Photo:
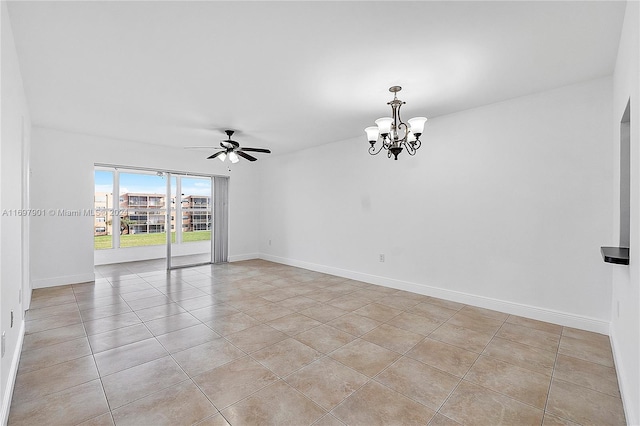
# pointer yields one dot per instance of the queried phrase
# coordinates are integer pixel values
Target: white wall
(505, 206)
(15, 140)
(62, 178)
(625, 320)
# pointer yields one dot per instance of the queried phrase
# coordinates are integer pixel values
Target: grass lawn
(137, 240)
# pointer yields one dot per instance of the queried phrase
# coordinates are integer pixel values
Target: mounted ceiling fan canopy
(232, 150)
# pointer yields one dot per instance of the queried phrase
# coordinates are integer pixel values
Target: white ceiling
(289, 75)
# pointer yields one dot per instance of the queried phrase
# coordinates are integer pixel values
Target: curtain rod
(149, 169)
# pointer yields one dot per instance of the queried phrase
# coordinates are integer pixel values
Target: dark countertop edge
(617, 255)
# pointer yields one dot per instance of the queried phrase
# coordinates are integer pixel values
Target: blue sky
(133, 182)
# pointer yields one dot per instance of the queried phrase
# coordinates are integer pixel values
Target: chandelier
(395, 134)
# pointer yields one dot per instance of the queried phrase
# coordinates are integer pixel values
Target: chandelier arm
(410, 149)
(372, 149)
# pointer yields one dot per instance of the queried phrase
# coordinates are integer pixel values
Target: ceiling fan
(233, 150)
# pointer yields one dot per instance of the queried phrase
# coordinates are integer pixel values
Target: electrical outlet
(382, 258)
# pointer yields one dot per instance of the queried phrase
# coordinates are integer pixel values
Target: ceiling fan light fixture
(222, 157)
(395, 134)
(233, 157)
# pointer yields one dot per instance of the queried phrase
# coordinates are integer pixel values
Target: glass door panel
(142, 207)
(192, 218)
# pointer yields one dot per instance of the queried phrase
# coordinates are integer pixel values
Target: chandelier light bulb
(384, 125)
(372, 133)
(417, 125)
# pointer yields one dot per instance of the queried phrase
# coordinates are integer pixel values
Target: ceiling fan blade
(215, 155)
(266, 151)
(199, 147)
(246, 156)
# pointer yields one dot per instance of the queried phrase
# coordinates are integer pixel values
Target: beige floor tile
(127, 356)
(448, 358)
(474, 405)
(478, 323)
(118, 337)
(214, 312)
(415, 323)
(583, 405)
(44, 302)
(255, 338)
(525, 356)
(188, 310)
(45, 381)
(180, 404)
(420, 382)
(205, 357)
(173, 323)
(440, 420)
(462, 337)
(364, 357)
(111, 323)
(518, 383)
(67, 308)
(102, 420)
(215, 420)
(198, 302)
(349, 302)
(234, 381)
(52, 337)
(137, 382)
(587, 350)
(550, 420)
(588, 374)
(326, 382)
(402, 302)
(70, 406)
(293, 324)
(277, 404)
(375, 404)
(298, 303)
(52, 355)
(378, 312)
(148, 302)
(286, 356)
(232, 323)
(55, 321)
(529, 336)
(538, 325)
(323, 312)
(328, 420)
(185, 338)
(119, 307)
(449, 304)
(434, 312)
(268, 312)
(156, 312)
(325, 338)
(354, 324)
(393, 338)
(475, 311)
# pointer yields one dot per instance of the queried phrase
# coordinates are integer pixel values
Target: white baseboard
(241, 257)
(633, 418)
(527, 311)
(64, 280)
(11, 380)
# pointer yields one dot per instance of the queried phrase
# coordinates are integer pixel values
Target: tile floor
(261, 343)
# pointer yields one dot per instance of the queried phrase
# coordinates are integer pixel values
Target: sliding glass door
(144, 214)
(191, 219)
